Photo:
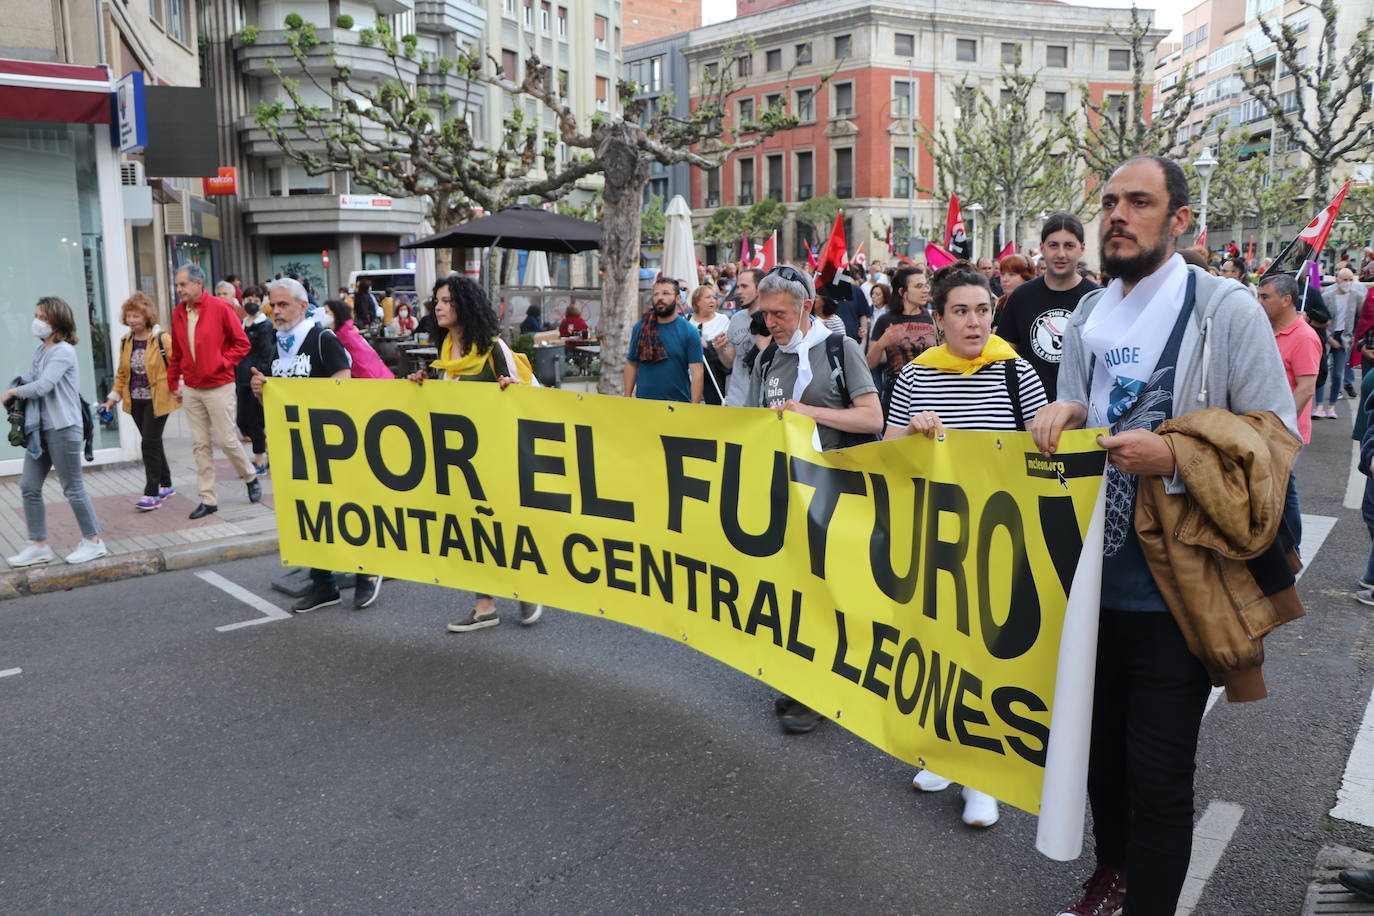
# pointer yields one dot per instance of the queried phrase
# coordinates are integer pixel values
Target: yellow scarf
(995, 350)
(470, 364)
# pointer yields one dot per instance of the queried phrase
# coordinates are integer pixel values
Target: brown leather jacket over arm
(1235, 468)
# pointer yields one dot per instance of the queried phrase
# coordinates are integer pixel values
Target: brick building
(889, 61)
(648, 19)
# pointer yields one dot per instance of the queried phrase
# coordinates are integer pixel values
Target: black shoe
(1350, 391)
(319, 596)
(783, 705)
(1359, 880)
(800, 719)
(365, 592)
(203, 510)
(254, 491)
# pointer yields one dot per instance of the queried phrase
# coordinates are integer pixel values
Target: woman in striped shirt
(973, 380)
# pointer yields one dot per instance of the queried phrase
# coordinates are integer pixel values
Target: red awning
(66, 93)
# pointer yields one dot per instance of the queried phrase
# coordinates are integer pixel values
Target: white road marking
(11, 672)
(270, 611)
(1354, 483)
(1210, 838)
(1315, 529)
(1355, 798)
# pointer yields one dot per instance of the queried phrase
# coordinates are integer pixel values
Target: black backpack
(834, 355)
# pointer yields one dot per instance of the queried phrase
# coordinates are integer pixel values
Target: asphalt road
(362, 762)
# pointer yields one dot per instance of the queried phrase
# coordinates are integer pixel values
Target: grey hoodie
(1227, 359)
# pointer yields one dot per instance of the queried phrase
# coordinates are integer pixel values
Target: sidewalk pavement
(141, 543)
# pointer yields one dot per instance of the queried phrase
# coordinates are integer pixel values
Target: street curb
(42, 580)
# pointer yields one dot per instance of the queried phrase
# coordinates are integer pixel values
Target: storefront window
(50, 231)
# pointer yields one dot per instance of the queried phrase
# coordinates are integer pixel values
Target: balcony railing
(844, 191)
(775, 194)
(713, 201)
(746, 197)
(804, 192)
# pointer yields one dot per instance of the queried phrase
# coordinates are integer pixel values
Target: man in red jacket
(207, 343)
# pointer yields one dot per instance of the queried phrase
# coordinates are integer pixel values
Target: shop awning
(66, 93)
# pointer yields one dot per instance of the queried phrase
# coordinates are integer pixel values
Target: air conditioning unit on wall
(131, 174)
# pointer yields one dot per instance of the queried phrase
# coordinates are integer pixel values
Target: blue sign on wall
(130, 116)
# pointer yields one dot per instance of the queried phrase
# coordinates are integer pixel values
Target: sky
(1168, 13)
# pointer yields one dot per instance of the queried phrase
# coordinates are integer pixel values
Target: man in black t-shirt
(306, 350)
(1037, 311)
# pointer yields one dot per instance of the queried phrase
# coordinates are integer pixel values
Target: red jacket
(220, 344)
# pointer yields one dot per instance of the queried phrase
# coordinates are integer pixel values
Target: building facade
(1221, 38)
(284, 220)
(81, 220)
(649, 19)
(656, 68)
(887, 64)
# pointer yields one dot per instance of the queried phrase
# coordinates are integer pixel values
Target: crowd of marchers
(1173, 352)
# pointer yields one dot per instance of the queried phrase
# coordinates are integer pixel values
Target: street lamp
(1002, 225)
(1204, 165)
(976, 210)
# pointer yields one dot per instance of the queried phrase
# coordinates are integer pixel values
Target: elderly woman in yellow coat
(141, 388)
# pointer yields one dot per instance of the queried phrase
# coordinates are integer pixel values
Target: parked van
(384, 282)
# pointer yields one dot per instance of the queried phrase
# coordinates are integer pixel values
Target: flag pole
(1306, 284)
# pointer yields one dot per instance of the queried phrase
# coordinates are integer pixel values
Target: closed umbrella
(679, 249)
(537, 270)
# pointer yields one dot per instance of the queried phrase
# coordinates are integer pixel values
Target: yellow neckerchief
(995, 350)
(470, 364)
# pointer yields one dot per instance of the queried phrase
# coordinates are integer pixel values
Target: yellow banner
(912, 591)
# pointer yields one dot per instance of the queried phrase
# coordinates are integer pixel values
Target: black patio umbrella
(521, 226)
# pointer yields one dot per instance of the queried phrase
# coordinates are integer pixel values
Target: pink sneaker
(148, 504)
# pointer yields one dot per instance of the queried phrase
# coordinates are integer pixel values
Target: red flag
(835, 256)
(956, 238)
(1310, 242)
(810, 255)
(937, 257)
(1202, 238)
(766, 258)
(745, 252)
(860, 259)
(1006, 252)
(889, 239)
(1250, 253)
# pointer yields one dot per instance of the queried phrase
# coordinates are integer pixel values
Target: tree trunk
(626, 174)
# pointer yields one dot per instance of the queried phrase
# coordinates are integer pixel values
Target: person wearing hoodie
(337, 316)
(262, 342)
(140, 388)
(1162, 341)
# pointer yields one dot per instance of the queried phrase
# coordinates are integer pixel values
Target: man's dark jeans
(1147, 707)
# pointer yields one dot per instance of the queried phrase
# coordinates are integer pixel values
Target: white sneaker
(980, 808)
(87, 551)
(926, 781)
(31, 555)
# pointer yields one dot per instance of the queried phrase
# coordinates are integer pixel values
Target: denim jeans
(61, 450)
(1292, 512)
(1339, 375)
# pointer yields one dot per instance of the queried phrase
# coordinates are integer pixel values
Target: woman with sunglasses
(973, 380)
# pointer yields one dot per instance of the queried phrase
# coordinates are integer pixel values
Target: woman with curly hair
(465, 332)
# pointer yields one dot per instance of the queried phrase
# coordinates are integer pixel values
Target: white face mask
(326, 319)
(41, 329)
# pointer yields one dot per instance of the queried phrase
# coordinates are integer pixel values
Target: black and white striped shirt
(979, 400)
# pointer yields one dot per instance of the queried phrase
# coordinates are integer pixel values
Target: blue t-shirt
(668, 379)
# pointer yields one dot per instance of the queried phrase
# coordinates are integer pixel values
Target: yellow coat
(154, 365)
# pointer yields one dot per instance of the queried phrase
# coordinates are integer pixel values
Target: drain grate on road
(1332, 899)
(1325, 895)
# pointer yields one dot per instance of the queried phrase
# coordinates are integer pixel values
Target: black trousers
(1147, 707)
(250, 419)
(156, 473)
